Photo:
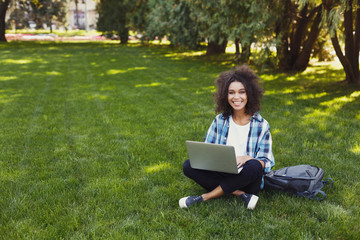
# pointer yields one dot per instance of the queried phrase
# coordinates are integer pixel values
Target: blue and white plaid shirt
(259, 143)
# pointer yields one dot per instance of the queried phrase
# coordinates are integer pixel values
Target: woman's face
(237, 97)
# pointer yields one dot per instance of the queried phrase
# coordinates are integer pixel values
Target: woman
(240, 125)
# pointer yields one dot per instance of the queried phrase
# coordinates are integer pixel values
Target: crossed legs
(217, 184)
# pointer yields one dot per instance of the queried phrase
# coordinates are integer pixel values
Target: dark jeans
(248, 180)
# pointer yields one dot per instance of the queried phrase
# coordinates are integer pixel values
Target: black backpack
(301, 180)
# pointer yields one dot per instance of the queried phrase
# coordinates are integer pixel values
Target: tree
(250, 22)
(41, 10)
(183, 30)
(139, 15)
(77, 13)
(172, 19)
(4, 4)
(115, 16)
(112, 18)
(157, 19)
(48, 11)
(243, 22)
(297, 30)
(351, 32)
(212, 23)
(17, 18)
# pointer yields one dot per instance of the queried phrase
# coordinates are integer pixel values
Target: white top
(237, 137)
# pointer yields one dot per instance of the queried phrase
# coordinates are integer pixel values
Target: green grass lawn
(93, 139)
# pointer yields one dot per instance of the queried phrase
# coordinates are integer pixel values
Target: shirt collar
(257, 117)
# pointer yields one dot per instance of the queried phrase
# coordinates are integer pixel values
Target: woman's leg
(217, 192)
(248, 180)
(207, 179)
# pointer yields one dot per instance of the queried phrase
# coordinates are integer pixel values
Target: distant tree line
(285, 33)
(297, 29)
(37, 12)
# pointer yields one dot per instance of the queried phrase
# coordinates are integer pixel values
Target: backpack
(301, 180)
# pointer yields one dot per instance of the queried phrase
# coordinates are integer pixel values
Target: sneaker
(250, 200)
(187, 201)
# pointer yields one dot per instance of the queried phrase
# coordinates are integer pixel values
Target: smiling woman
(239, 125)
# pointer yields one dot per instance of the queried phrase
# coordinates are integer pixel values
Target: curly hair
(249, 79)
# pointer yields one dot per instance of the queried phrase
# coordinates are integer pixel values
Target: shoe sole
(182, 202)
(252, 203)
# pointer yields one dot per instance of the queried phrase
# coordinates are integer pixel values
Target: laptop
(212, 157)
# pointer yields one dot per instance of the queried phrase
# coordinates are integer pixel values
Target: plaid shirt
(259, 144)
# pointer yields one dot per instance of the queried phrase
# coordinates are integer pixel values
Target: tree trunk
(3, 8)
(357, 44)
(350, 44)
(282, 32)
(303, 58)
(349, 60)
(298, 35)
(77, 14)
(214, 48)
(245, 52)
(237, 47)
(297, 43)
(50, 23)
(124, 36)
(350, 77)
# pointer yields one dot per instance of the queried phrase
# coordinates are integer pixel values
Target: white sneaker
(250, 200)
(185, 202)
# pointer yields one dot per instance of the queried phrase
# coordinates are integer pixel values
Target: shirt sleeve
(211, 134)
(264, 151)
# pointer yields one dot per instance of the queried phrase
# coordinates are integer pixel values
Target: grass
(92, 145)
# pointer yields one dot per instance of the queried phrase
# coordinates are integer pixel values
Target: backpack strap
(323, 194)
(312, 195)
(329, 180)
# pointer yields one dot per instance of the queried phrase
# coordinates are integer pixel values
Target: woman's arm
(264, 151)
(211, 133)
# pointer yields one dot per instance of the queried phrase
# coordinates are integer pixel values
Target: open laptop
(213, 157)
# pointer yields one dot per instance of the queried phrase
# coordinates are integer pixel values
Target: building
(87, 15)
(85, 19)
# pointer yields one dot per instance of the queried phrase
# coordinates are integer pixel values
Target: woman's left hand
(241, 160)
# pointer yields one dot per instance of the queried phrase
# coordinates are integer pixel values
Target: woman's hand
(241, 160)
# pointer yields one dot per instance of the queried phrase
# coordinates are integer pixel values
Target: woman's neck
(241, 118)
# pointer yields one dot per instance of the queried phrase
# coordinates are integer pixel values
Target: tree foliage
(18, 17)
(117, 16)
(47, 11)
(291, 27)
(172, 19)
(41, 11)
